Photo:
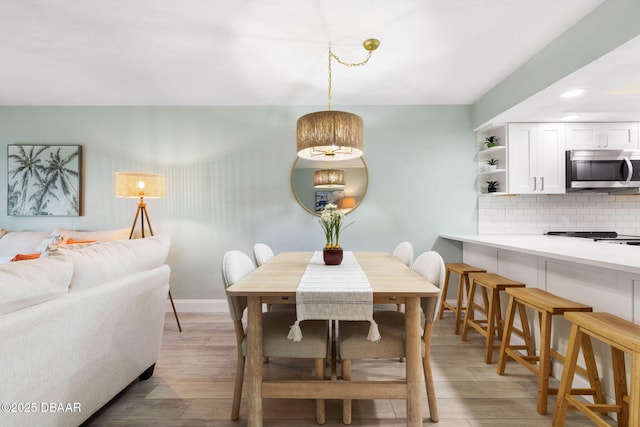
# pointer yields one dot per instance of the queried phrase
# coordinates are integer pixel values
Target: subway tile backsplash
(537, 214)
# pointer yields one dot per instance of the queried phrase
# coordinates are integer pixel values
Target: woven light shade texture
(140, 184)
(325, 132)
(328, 178)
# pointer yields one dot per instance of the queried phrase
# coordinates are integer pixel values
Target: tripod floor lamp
(141, 185)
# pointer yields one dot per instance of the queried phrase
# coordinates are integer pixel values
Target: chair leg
(469, 312)
(544, 363)
(526, 331)
(237, 389)
(332, 346)
(320, 407)
(346, 403)
(568, 372)
(428, 374)
(620, 384)
(634, 392)
(492, 318)
(463, 281)
(445, 289)
(592, 369)
(506, 336)
(498, 316)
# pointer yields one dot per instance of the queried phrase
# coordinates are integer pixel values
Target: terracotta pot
(332, 256)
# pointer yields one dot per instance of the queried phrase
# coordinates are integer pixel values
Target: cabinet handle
(542, 183)
(630, 167)
(602, 140)
(534, 183)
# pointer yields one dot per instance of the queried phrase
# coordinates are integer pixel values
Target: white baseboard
(198, 306)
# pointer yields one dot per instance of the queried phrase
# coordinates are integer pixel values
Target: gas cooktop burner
(585, 234)
(599, 236)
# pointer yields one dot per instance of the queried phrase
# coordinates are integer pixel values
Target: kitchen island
(608, 255)
(605, 276)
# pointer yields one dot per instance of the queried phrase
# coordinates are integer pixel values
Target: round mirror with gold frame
(315, 183)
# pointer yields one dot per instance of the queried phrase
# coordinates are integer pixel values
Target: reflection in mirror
(331, 190)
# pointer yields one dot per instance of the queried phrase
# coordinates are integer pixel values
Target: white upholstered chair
(353, 343)
(275, 325)
(262, 253)
(404, 252)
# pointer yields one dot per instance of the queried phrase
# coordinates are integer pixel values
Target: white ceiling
(274, 52)
(612, 92)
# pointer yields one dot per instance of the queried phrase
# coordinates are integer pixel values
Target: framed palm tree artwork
(43, 180)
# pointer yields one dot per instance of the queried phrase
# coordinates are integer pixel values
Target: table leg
(254, 356)
(413, 365)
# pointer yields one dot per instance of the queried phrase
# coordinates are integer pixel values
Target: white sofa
(77, 326)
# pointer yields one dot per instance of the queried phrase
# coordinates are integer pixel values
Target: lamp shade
(330, 136)
(348, 203)
(139, 184)
(328, 178)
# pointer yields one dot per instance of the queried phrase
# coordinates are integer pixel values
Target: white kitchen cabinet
(585, 136)
(536, 158)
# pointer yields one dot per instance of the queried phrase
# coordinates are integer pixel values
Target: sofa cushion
(31, 282)
(100, 236)
(15, 242)
(97, 263)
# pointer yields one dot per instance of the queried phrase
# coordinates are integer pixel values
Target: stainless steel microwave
(603, 170)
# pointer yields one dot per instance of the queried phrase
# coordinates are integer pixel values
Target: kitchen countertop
(573, 249)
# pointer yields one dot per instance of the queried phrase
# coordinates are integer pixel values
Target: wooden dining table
(276, 281)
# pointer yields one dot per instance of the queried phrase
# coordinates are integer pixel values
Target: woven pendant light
(333, 135)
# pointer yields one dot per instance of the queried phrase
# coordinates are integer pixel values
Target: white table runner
(334, 292)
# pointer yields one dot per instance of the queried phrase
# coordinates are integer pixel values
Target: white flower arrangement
(331, 223)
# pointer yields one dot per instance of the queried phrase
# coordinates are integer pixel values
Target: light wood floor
(193, 382)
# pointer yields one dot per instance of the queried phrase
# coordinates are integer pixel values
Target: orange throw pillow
(71, 241)
(22, 257)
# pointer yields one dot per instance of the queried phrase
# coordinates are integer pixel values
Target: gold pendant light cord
(369, 47)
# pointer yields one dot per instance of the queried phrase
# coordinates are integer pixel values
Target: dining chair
(262, 253)
(404, 252)
(275, 326)
(352, 336)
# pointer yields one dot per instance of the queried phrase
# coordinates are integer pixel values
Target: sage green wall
(228, 169)
(609, 26)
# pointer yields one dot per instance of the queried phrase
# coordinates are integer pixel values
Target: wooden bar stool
(623, 337)
(462, 270)
(491, 326)
(547, 305)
